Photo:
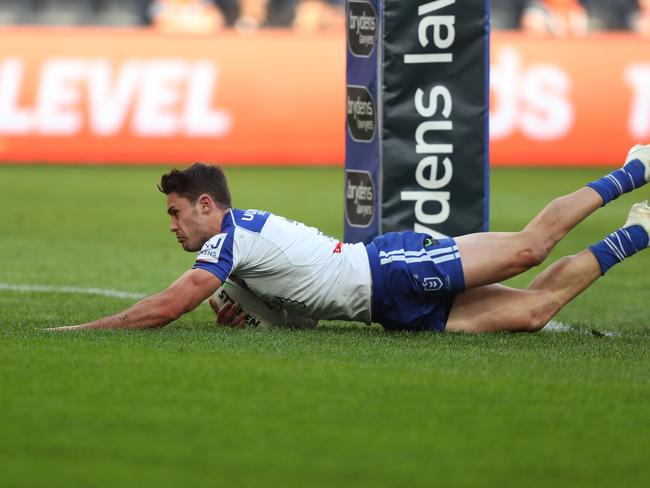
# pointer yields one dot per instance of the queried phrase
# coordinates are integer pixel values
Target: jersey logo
(338, 248)
(212, 248)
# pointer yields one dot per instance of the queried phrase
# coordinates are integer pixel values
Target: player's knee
(533, 251)
(531, 257)
(541, 313)
(536, 323)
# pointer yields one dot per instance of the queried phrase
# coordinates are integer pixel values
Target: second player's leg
(495, 308)
(492, 257)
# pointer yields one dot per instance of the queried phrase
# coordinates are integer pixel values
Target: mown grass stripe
(105, 292)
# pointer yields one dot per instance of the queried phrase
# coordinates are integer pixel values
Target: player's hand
(229, 315)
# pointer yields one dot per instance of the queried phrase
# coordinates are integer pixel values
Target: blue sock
(623, 180)
(621, 244)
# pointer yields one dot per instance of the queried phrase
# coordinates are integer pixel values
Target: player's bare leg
(496, 256)
(494, 308)
(493, 257)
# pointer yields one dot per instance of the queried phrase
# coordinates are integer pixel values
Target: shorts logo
(362, 28)
(428, 242)
(432, 284)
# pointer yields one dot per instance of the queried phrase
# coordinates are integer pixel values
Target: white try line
(104, 292)
(554, 326)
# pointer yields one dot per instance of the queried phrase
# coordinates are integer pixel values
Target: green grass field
(341, 405)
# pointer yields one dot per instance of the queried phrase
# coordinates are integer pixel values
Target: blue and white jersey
(291, 265)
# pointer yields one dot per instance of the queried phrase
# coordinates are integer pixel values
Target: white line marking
(104, 292)
(555, 326)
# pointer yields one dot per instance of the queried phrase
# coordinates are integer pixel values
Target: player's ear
(206, 203)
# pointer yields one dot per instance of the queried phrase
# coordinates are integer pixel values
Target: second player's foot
(641, 153)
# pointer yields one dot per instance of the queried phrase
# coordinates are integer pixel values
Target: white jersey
(290, 265)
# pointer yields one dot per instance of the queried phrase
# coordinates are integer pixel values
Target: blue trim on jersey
(212, 268)
(252, 220)
(227, 222)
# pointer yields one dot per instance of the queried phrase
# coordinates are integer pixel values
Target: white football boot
(639, 215)
(642, 153)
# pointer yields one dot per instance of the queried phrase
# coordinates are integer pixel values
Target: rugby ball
(258, 312)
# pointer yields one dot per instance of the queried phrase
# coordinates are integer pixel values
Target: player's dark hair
(196, 180)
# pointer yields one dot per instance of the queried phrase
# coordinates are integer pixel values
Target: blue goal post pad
(417, 115)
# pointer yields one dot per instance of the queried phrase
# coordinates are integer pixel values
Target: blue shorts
(414, 280)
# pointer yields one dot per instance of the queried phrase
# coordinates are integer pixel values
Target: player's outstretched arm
(182, 296)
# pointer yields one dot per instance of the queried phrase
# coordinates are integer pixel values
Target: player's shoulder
(255, 222)
(252, 220)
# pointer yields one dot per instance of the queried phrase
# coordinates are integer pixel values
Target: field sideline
(344, 404)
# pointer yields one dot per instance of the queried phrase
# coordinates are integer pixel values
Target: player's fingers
(230, 316)
(223, 313)
(214, 305)
(230, 313)
(241, 319)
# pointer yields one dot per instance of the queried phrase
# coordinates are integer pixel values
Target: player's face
(186, 222)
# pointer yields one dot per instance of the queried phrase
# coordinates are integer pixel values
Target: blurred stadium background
(259, 85)
(164, 81)
(594, 15)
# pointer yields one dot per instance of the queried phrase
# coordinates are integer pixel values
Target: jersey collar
(227, 222)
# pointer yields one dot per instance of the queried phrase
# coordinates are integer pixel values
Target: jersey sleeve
(217, 256)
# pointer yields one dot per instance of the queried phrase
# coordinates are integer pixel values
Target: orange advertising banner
(135, 96)
(275, 97)
(577, 101)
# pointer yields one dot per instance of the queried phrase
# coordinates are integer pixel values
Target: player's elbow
(168, 316)
(168, 311)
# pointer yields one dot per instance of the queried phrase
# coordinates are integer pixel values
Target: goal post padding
(417, 154)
